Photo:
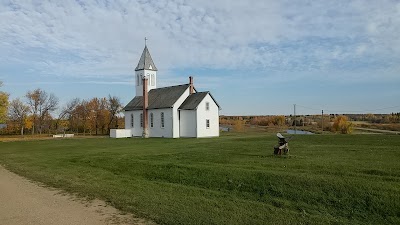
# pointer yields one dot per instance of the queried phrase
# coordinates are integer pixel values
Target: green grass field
(234, 179)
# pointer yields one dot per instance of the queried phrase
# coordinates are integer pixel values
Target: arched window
(153, 82)
(137, 80)
(151, 120)
(132, 120)
(141, 119)
(162, 120)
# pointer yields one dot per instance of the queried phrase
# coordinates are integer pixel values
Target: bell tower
(145, 68)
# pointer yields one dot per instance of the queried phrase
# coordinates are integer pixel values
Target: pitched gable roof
(158, 98)
(194, 100)
(145, 61)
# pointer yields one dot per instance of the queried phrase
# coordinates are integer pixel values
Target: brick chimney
(145, 106)
(191, 87)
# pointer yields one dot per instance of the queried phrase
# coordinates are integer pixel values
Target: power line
(349, 111)
(308, 107)
(392, 107)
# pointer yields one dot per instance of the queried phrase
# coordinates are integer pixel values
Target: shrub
(341, 124)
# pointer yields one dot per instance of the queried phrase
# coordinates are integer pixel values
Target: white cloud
(69, 38)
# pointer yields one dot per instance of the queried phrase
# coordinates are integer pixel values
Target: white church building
(171, 112)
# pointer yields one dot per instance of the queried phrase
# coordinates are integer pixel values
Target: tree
(3, 105)
(370, 117)
(29, 122)
(41, 105)
(97, 114)
(238, 125)
(67, 112)
(280, 120)
(80, 116)
(114, 106)
(341, 124)
(18, 112)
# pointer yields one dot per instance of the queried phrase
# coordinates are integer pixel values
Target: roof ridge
(170, 86)
(200, 92)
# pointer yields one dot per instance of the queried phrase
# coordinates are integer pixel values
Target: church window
(141, 119)
(207, 106)
(137, 80)
(141, 80)
(151, 120)
(132, 120)
(207, 123)
(149, 80)
(153, 82)
(162, 120)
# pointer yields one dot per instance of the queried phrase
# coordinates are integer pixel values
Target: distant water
(298, 132)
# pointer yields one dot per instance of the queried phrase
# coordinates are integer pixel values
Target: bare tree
(41, 105)
(67, 110)
(114, 106)
(18, 112)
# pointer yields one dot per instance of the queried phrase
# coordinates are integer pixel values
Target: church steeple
(145, 67)
(146, 62)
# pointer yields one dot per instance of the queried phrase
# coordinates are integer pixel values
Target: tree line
(39, 112)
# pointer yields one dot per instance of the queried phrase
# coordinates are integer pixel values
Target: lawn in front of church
(233, 179)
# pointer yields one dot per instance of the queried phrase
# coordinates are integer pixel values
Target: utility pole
(295, 122)
(322, 120)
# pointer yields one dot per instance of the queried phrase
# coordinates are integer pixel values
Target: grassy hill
(234, 179)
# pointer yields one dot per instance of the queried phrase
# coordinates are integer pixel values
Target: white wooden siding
(157, 130)
(212, 114)
(188, 125)
(175, 107)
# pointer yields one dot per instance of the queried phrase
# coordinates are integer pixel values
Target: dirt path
(24, 202)
(377, 130)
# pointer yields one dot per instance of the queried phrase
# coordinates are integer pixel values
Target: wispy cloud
(223, 43)
(92, 38)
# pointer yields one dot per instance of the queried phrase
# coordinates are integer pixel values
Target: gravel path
(377, 130)
(24, 202)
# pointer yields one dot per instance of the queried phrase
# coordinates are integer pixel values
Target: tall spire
(146, 62)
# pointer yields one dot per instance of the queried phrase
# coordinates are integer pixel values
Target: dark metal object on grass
(282, 145)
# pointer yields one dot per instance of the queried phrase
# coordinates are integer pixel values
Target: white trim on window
(207, 106)
(132, 120)
(141, 119)
(208, 123)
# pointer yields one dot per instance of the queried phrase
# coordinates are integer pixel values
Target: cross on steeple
(145, 41)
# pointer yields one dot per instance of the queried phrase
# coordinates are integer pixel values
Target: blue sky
(256, 57)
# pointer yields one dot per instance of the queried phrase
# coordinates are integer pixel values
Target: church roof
(145, 61)
(194, 100)
(158, 98)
